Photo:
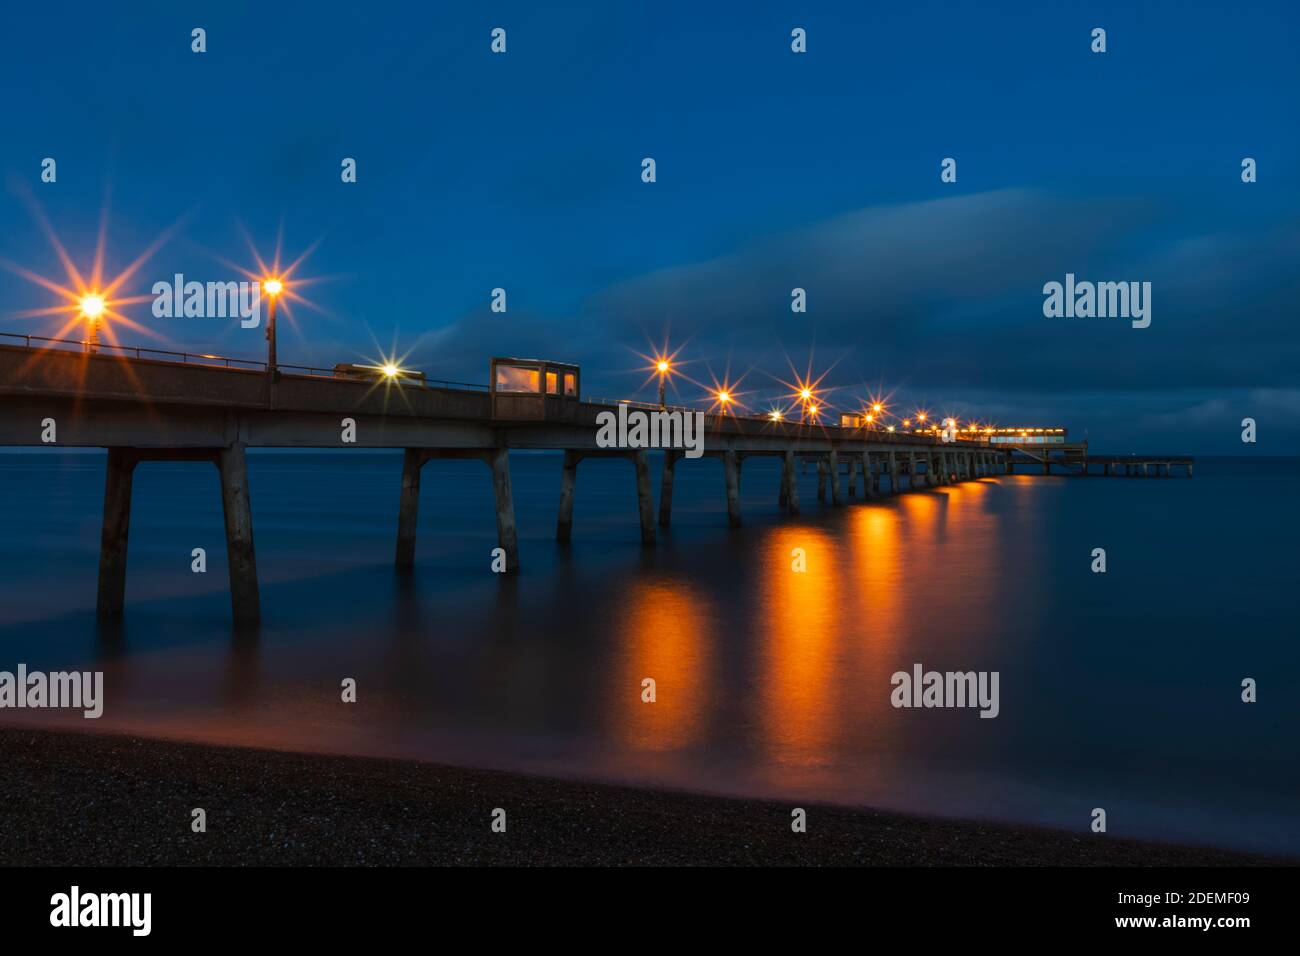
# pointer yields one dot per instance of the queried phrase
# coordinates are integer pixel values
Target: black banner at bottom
(332, 905)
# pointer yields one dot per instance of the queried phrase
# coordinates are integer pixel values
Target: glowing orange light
(724, 397)
(812, 410)
(877, 408)
(775, 415)
(272, 287)
(920, 416)
(805, 394)
(92, 306)
(663, 367)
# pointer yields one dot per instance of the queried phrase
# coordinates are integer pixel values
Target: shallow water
(1118, 690)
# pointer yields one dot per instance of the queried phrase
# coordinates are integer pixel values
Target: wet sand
(98, 799)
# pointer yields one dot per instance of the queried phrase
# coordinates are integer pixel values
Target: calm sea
(1118, 690)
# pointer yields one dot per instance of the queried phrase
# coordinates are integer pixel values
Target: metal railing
(214, 361)
(254, 365)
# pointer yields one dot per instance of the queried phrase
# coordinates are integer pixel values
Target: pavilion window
(511, 378)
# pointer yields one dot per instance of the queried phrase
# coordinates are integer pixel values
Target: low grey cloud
(943, 299)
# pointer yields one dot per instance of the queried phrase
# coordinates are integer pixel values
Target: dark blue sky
(775, 170)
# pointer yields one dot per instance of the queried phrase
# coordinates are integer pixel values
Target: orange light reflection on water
(801, 638)
(665, 637)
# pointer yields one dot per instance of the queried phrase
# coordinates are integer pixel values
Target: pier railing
(205, 358)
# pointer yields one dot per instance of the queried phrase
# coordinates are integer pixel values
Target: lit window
(511, 378)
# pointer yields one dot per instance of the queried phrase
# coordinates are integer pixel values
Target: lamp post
(663, 368)
(273, 288)
(92, 307)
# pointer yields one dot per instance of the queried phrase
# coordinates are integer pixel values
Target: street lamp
(663, 368)
(273, 288)
(92, 307)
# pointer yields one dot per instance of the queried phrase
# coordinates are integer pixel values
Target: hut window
(511, 378)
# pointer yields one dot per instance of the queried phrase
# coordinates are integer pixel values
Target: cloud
(944, 298)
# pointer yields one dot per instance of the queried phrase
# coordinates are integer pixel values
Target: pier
(174, 407)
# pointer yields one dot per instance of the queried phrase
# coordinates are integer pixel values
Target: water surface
(1118, 690)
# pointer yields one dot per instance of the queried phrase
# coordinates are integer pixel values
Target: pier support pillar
(731, 472)
(568, 479)
(645, 498)
(870, 481)
(242, 559)
(498, 460)
(821, 479)
(789, 484)
(112, 541)
(666, 487)
(893, 472)
(853, 478)
(837, 487)
(408, 509)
